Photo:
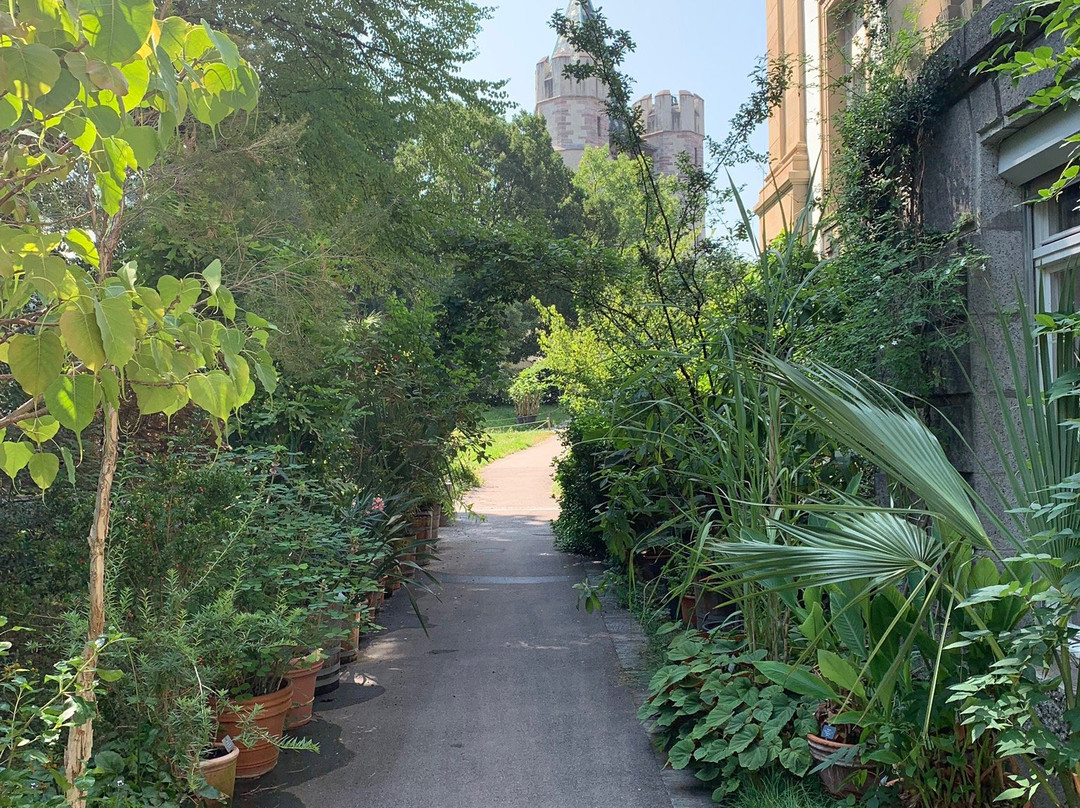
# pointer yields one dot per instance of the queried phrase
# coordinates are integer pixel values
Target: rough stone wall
(962, 179)
(573, 110)
(673, 126)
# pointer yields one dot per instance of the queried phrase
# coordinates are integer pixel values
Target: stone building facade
(984, 160)
(820, 39)
(577, 119)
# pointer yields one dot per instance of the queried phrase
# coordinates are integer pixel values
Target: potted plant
(245, 657)
(217, 767)
(526, 391)
(302, 673)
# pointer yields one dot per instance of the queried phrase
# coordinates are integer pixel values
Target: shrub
(717, 715)
(579, 495)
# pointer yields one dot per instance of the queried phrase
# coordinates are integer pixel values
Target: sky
(708, 47)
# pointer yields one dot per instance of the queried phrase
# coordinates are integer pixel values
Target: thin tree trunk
(80, 745)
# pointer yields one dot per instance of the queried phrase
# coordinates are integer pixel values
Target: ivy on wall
(893, 296)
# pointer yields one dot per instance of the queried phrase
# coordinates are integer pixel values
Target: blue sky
(705, 46)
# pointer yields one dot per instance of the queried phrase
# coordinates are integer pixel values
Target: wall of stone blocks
(962, 181)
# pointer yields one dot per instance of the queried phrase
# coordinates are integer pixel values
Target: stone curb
(684, 790)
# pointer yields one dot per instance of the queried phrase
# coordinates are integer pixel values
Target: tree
(483, 169)
(90, 93)
(616, 206)
(365, 77)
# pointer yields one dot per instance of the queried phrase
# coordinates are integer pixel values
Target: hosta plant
(716, 713)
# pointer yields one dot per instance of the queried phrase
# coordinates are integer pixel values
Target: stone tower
(673, 125)
(576, 117)
(574, 110)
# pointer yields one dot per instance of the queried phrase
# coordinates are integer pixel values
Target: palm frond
(872, 544)
(870, 419)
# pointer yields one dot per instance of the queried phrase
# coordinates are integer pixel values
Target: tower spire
(578, 12)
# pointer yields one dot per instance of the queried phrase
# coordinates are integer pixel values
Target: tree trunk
(80, 745)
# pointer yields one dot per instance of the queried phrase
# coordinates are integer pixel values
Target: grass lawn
(496, 418)
(506, 436)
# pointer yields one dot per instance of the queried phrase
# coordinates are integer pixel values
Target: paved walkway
(514, 699)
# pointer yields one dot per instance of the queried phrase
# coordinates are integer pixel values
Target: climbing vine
(892, 298)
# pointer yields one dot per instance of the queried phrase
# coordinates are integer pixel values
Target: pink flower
(378, 504)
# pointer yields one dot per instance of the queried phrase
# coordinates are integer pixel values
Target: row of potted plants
(275, 691)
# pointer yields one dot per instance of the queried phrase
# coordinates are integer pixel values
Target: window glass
(1063, 214)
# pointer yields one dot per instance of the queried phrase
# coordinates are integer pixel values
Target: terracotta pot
(303, 697)
(350, 646)
(840, 779)
(421, 525)
(220, 772)
(258, 759)
(688, 610)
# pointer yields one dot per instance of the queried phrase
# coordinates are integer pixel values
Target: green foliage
(576, 474)
(891, 302)
(780, 791)
(485, 170)
(35, 709)
(716, 714)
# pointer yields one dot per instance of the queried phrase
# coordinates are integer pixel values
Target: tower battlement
(577, 118)
(673, 125)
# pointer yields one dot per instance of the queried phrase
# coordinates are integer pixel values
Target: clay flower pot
(262, 756)
(840, 779)
(302, 675)
(220, 772)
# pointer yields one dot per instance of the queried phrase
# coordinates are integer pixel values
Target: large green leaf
(35, 361)
(118, 334)
(14, 457)
(63, 92)
(80, 330)
(840, 672)
(73, 401)
(213, 392)
(798, 680)
(28, 71)
(116, 29)
(40, 429)
(43, 468)
(228, 51)
(11, 109)
(163, 398)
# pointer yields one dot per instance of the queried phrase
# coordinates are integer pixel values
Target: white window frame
(1052, 253)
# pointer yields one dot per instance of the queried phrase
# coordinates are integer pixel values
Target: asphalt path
(512, 699)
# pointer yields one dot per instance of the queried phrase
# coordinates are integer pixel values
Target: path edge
(683, 789)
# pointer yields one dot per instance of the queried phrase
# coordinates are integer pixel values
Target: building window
(1056, 248)
(676, 119)
(599, 125)
(650, 122)
(549, 87)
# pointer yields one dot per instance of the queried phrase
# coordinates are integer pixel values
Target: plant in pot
(244, 659)
(527, 390)
(923, 589)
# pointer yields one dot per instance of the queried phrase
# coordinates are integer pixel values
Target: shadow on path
(514, 699)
